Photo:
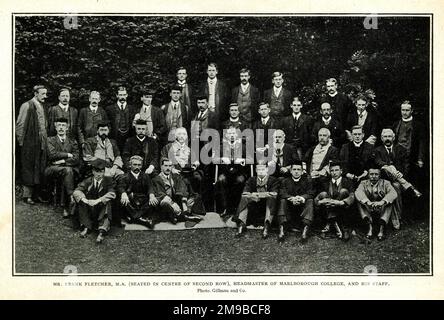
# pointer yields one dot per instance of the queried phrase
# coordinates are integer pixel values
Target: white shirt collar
(212, 80)
(277, 90)
(202, 113)
(408, 119)
(135, 175)
(364, 113)
(65, 108)
(297, 116)
(245, 86)
(358, 144)
(326, 120)
(60, 138)
(93, 108)
(338, 181)
(265, 119)
(121, 105)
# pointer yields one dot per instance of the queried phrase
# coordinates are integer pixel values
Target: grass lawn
(46, 243)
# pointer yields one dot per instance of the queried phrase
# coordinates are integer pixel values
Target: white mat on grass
(211, 220)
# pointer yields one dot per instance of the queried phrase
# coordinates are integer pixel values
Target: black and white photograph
(222, 144)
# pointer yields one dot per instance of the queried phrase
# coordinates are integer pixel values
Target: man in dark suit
(204, 119)
(89, 117)
(364, 118)
(296, 193)
(143, 146)
(121, 117)
(31, 132)
(334, 201)
(154, 117)
(171, 193)
(216, 92)
(317, 158)
(246, 96)
(278, 97)
(235, 120)
(63, 157)
(264, 126)
(259, 196)
(232, 171)
(176, 113)
(355, 156)
(93, 196)
(187, 96)
(63, 110)
(137, 195)
(331, 123)
(297, 128)
(340, 103)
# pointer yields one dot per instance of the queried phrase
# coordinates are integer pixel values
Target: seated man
(296, 194)
(63, 157)
(259, 195)
(231, 172)
(336, 197)
(143, 146)
(93, 196)
(101, 147)
(375, 198)
(171, 193)
(318, 157)
(136, 194)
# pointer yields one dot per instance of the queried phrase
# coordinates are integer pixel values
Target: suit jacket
(290, 188)
(59, 151)
(208, 121)
(185, 114)
(418, 140)
(371, 125)
(187, 97)
(158, 119)
(384, 190)
(299, 136)
(399, 158)
(56, 112)
(272, 123)
(255, 97)
(127, 184)
(221, 98)
(90, 146)
(365, 157)
(148, 149)
(106, 190)
(332, 154)
(272, 184)
(87, 124)
(340, 104)
(179, 187)
(286, 100)
(114, 117)
(327, 186)
(337, 133)
(289, 156)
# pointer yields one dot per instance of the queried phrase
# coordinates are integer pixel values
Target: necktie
(62, 140)
(200, 116)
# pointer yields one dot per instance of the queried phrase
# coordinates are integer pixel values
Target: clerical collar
(65, 108)
(332, 95)
(141, 140)
(234, 119)
(182, 82)
(358, 144)
(136, 175)
(326, 120)
(296, 180)
(408, 119)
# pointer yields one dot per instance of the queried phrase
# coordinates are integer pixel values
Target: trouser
(340, 214)
(228, 193)
(248, 206)
(121, 139)
(65, 172)
(28, 191)
(98, 216)
(138, 207)
(287, 211)
(166, 209)
(384, 213)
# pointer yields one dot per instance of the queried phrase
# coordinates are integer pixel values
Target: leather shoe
(100, 238)
(65, 214)
(84, 233)
(304, 237)
(281, 236)
(369, 234)
(29, 201)
(240, 230)
(266, 231)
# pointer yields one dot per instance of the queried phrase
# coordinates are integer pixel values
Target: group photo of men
(281, 165)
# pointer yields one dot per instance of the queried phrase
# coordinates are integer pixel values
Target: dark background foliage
(104, 52)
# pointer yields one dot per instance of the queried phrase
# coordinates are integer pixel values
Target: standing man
(278, 97)
(187, 96)
(259, 197)
(246, 96)
(31, 128)
(176, 113)
(216, 92)
(89, 117)
(235, 120)
(205, 118)
(263, 126)
(93, 196)
(297, 128)
(143, 146)
(375, 198)
(63, 157)
(296, 195)
(137, 195)
(121, 117)
(63, 110)
(331, 123)
(361, 117)
(339, 102)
